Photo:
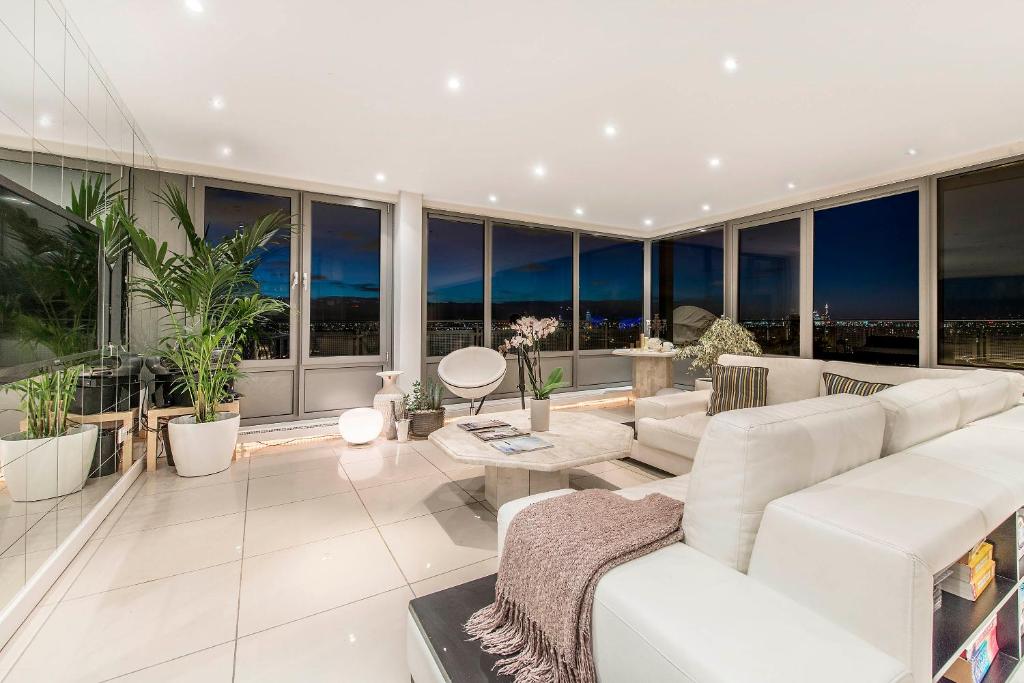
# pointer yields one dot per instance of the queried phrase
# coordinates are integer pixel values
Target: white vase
(202, 448)
(540, 414)
(383, 398)
(402, 428)
(37, 469)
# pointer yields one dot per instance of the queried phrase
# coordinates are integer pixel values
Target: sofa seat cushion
(667, 616)
(679, 435)
(674, 404)
(748, 458)
(982, 393)
(734, 387)
(789, 379)
(673, 487)
(917, 411)
(1012, 419)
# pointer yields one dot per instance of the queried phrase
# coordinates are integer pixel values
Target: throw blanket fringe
(556, 551)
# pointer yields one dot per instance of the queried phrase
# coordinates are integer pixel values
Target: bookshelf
(957, 623)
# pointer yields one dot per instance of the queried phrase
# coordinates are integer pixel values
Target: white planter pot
(202, 448)
(540, 414)
(37, 469)
(402, 428)
(383, 398)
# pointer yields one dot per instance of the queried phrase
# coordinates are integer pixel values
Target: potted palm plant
(724, 336)
(50, 457)
(211, 301)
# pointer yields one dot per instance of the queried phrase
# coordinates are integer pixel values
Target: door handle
(295, 279)
(305, 282)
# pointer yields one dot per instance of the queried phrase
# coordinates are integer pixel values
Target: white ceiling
(327, 91)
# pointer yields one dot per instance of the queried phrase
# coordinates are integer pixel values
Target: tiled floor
(296, 564)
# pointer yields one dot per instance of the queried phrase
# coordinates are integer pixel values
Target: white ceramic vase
(202, 448)
(383, 398)
(402, 427)
(540, 414)
(37, 469)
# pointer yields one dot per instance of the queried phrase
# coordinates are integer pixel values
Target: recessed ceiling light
(225, 151)
(703, 230)
(454, 83)
(705, 207)
(45, 121)
(912, 152)
(610, 130)
(791, 185)
(194, 6)
(648, 222)
(217, 102)
(714, 162)
(578, 211)
(492, 198)
(380, 177)
(730, 65)
(540, 171)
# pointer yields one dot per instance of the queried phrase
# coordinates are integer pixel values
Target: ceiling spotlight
(194, 6)
(540, 171)
(705, 207)
(648, 222)
(380, 177)
(492, 198)
(703, 230)
(791, 185)
(225, 151)
(714, 162)
(610, 130)
(912, 152)
(45, 121)
(578, 211)
(217, 102)
(454, 84)
(730, 65)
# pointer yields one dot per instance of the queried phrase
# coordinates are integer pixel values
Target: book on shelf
(476, 425)
(971, 566)
(971, 590)
(521, 444)
(975, 661)
(495, 433)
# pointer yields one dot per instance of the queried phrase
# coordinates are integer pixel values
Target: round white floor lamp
(360, 425)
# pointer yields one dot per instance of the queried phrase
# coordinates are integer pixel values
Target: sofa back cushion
(885, 374)
(982, 393)
(917, 411)
(789, 379)
(1016, 389)
(748, 458)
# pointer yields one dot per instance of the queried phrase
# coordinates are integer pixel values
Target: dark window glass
(769, 285)
(686, 285)
(866, 297)
(455, 285)
(611, 292)
(981, 268)
(227, 210)
(532, 275)
(344, 274)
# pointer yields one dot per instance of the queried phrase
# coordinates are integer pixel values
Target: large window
(611, 292)
(686, 285)
(455, 284)
(531, 275)
(981, 268)
(866, 281)
(225, 211)
(344, 280)
(768, 294)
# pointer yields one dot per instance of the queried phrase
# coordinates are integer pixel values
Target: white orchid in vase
(525, 343)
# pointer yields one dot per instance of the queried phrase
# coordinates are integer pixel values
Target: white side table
(652, 370)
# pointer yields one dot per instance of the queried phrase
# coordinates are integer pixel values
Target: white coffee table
(577, 439)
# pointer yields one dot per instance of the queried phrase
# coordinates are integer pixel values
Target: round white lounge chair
(472, 373)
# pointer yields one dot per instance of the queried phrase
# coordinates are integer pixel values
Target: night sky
(696, 270)
(345, 252)
(531, 265)
(611, 270)
(455, 263)
(769, 271)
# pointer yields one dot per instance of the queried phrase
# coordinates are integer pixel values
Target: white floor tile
(390, 503)
(288, 488)
(284, 526)
(166, 479)
(433, 544)
(163, 509)
(437, 457)
(120, 631)
(381, 448)
(268, 464)
(214, 665)
(456, 577)
(470, 479)
(128, 559)
(618, 478)
(406, 465)
(594, 468)
(290, 584)
(364, 641)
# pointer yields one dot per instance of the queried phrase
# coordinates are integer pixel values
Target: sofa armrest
(673, 405)
(510, 509)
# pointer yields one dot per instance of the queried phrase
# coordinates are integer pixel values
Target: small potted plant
(724, 336)
(426, 413)
(400, 415)
(51, 457)
(525, 343)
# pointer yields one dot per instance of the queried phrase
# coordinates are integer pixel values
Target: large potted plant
(211, 301)
(724, 336)
(525, 343)
(50, 457)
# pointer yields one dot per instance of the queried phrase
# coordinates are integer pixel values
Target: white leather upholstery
(750, 457)
(679, 435)
(887, 374)
(789, 379)
(982, 393)
(675, 404)
(1010, 419)
(1016, 389)
(917, 411)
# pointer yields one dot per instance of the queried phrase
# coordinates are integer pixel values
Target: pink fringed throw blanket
(556, 551)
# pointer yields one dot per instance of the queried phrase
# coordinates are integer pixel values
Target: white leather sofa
(669, 426)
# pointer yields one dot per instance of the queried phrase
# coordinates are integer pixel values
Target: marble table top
(643, 353)
(576, 438)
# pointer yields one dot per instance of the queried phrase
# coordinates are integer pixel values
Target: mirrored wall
(70, 387)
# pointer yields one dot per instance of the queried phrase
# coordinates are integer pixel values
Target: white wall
(408, 304)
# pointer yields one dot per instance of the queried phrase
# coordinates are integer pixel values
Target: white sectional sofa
(670, 425)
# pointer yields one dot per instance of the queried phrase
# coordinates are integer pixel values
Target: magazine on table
(476, 425)
(506, 432)
(521, 444)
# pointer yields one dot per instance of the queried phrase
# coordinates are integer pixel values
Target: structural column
(409, 288)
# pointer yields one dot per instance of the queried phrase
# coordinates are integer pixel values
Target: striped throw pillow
(737, 386)
(837, 384)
